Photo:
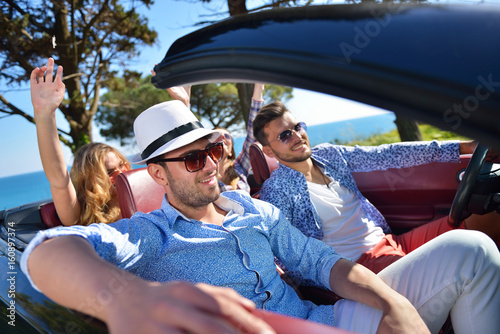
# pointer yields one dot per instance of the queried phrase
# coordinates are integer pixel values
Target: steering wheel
(465, 188)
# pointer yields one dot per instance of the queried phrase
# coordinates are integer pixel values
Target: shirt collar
(229, 204)
(224, 202)
(314, 158)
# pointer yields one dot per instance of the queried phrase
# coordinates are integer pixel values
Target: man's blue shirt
(164, 245)
(287, 188)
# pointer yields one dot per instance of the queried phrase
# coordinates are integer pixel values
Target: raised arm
(181, 93)
(68, 270)
(353, 281)
(47, 93)
(242, 162)
(258, 91)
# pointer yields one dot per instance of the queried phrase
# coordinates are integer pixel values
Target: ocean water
(24, 188)
(20, 189)
(346, 130)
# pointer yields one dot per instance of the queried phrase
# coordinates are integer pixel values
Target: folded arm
(355, 282)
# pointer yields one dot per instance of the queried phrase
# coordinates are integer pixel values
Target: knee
(471, 243)
(466, 238)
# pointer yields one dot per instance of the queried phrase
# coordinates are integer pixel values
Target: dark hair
(155, 160)
(267, 114)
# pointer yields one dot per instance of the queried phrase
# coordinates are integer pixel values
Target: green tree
(221, 105)
(86, 37)
(125, 99)
(218, 104)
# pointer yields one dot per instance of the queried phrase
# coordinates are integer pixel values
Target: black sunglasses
(196, 161)
(286, 135)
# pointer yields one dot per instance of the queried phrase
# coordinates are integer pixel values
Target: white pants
(457, 273)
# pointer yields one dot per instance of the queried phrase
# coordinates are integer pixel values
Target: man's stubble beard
(189, 195)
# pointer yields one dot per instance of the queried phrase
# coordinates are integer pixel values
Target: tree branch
(274, 4)
(92, 21)
(16, 111)
(30, 17)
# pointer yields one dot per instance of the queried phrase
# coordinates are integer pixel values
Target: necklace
(326, 180)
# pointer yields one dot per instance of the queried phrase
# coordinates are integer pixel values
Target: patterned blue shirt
(164, 245)
(287, 188)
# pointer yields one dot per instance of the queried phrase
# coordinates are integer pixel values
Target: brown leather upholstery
(262, 165)
(138, 192)
(49, 215)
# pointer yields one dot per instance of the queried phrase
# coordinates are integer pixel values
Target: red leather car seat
(49, 215)
(137, 191)
(262, 165)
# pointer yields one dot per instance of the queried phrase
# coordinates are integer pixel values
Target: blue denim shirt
(287, 188)
(164, 245)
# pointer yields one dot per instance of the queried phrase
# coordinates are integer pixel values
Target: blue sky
(19, 150)
(171, 19)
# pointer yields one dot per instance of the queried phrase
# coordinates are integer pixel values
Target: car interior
(406, 197)
(426, 87)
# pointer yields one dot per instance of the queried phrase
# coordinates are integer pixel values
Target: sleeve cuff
(326, 271)
(450, 151)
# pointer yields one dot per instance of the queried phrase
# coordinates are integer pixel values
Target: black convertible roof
(438, 64)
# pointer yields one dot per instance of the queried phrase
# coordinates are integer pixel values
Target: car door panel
(410, 197)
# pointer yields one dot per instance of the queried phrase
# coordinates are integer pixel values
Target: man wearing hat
(231, 240)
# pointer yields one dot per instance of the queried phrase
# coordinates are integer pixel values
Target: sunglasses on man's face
(197, 160)
(287, 135)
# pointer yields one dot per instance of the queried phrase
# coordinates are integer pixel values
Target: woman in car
(233, 171)
(86, 195)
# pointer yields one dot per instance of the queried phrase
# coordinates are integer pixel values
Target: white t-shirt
(345, 226)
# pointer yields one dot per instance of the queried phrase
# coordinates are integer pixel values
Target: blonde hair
(93, 185)
(231, 177)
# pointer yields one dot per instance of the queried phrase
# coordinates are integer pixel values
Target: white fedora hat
(165, 127)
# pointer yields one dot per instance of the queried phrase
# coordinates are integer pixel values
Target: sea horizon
(19, 189)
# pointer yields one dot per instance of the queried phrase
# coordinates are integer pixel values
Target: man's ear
(158, 173)
(268, 151)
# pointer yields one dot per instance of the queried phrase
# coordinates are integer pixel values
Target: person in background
(316, 191)
(87, 194)
(233, 171)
